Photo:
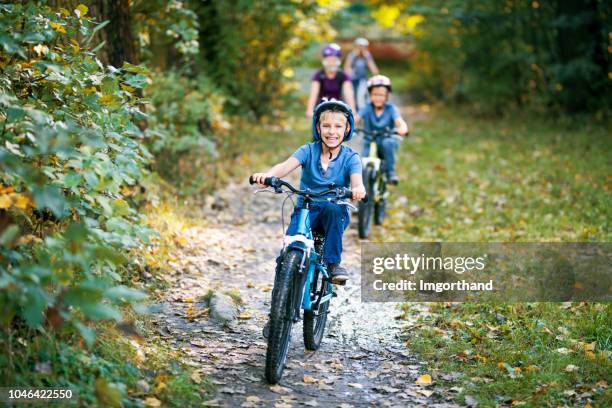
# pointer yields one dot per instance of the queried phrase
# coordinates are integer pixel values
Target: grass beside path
(516, 179)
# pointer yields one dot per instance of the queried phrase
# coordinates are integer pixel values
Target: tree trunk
(120, 45)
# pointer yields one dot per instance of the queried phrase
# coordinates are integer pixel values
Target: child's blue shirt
(372, 122)
(339, 169)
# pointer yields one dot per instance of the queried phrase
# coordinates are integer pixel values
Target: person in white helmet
(382, 115)
(357, 64)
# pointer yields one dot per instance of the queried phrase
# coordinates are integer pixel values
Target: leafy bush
(184, 112)
(70, 154)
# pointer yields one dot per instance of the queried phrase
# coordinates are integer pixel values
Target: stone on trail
(222, 308)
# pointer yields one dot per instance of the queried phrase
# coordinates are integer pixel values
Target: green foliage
(551, 55)
(166, 31)
(249, 47)
(184, 113)
(70, 153)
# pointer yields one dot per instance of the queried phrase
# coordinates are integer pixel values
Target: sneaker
(266, 330)
(392, 178)
(338, 274)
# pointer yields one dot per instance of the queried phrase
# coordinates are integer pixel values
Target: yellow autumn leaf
(81, 10)
(5, 201)
(127, 88)
(424, 379)
(309, 379)
(152, 402)
(386, 15)
(108, 99)
(590, 355)
(244, 316)
(589, 346)
(58, 27)
(20, 201)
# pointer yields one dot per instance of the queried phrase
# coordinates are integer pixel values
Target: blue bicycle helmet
(338, 106)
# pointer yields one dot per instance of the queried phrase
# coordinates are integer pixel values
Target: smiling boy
(325, 161)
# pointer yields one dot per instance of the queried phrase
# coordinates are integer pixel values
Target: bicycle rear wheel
(364, 221)
(281, 317)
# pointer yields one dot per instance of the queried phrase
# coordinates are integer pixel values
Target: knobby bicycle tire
(281, 317)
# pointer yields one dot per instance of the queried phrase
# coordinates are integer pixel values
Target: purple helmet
(332, 50)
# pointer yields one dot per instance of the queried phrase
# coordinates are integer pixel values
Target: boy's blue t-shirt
(387, 119)
(339, 169)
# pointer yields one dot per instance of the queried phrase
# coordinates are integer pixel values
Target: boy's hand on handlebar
(359, 192)
(259, 178)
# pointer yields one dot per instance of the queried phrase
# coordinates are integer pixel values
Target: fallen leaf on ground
(426, 393)
(152, 402)
(244, 315)
(570, 367)
(355, 385)
(309, 379)
(279, 389)
(425, 379)
(312, 403)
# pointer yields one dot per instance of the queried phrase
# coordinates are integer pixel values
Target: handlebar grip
(365, 198)
(268, 181)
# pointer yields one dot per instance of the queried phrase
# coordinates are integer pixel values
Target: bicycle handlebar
(277, 183)
(383, 133)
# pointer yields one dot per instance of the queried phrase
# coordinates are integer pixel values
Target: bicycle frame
(303, 241)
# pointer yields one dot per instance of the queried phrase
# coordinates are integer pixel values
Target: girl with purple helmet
(330, 82)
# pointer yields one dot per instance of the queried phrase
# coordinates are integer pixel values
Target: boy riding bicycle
(326, 161)
(381, 115)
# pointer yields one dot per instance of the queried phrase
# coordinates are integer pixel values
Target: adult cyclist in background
(380, 115)
(358, 63)
(330, 82)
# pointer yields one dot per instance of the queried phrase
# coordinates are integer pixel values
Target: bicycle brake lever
(264, 190)
(347, 203)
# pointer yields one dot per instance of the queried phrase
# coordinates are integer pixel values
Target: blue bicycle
(301, 281)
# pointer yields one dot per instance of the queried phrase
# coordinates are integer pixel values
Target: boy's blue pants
(330, 218)
(387, 147)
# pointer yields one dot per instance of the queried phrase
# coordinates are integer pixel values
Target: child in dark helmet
(380, 115)
(324, 161)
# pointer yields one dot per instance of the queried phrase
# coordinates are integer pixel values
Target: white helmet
(362, 41)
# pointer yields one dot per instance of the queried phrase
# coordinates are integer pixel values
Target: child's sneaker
(338, 274)
(392, 178)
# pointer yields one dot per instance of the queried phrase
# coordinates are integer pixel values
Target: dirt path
(362, 360)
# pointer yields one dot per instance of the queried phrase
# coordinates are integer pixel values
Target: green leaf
(88, 334)
(124, 293)
(80, 296)
(9, 234)
(50, 197)
(101, 311)
(11, 46)
(34, 308)
(136, 69)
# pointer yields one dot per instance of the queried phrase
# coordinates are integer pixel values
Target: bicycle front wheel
(281, 317)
